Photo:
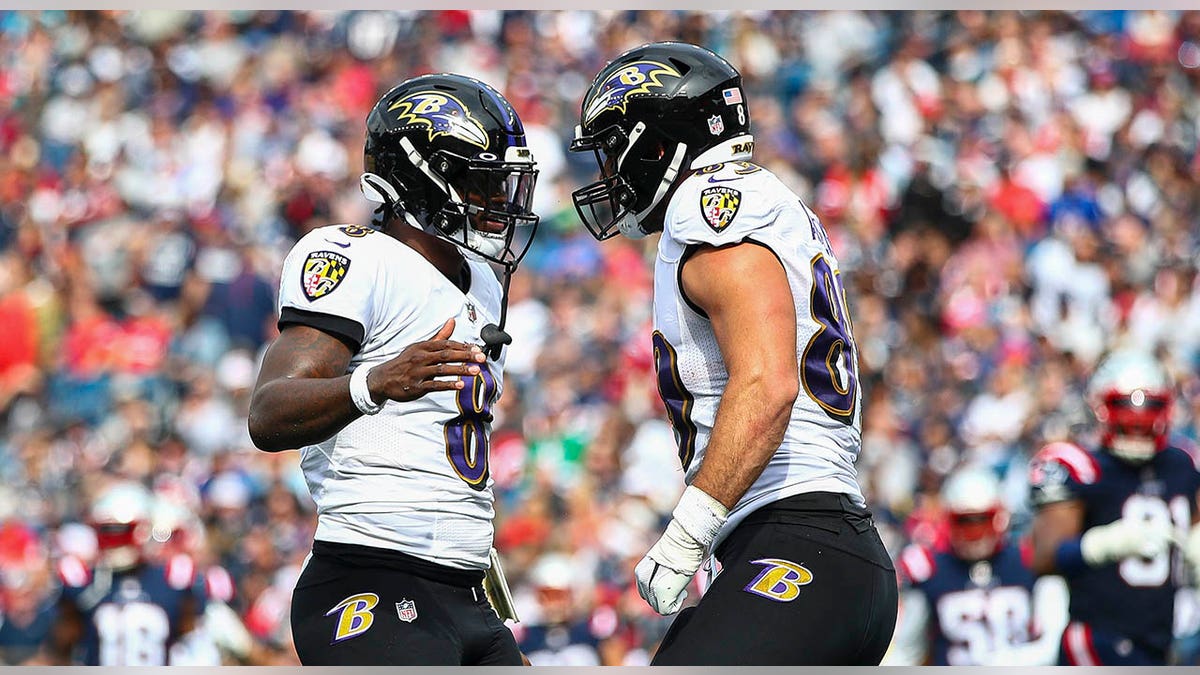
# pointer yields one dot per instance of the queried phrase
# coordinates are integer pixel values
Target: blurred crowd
(1010, 194)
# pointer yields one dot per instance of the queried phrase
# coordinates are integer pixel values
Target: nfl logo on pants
(407, 609)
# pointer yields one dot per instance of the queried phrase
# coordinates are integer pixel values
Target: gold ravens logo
(323, 271)
(719, 205)
(780, 580)
(442, 115)
(639, 77)
(354, 616)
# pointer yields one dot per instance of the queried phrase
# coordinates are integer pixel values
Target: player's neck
(441, 254)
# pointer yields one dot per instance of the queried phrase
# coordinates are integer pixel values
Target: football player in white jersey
(756, 365)
(386, 371)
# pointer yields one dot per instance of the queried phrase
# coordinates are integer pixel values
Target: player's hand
(424, 367)
(1124, 538)
(664, 573)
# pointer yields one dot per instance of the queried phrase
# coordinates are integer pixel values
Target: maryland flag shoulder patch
(719, 205)
(323, 272)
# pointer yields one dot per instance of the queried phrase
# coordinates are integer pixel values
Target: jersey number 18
(132, 634)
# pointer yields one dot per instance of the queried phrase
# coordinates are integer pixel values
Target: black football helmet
(649, 115)
(447, 153)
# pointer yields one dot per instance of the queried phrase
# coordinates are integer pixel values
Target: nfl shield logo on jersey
(716, 125)
(323, 271)
(719, 205)
(407, 609)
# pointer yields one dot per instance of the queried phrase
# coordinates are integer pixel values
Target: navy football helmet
(447, 153)
(649, 116)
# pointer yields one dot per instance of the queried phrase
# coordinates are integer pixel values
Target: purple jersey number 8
(675, 397)
(467, 433)
(830, 372)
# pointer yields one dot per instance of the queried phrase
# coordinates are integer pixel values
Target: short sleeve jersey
(1134, 597)
(131, 618)
(734, 202)
(413, 478)
(976, 606)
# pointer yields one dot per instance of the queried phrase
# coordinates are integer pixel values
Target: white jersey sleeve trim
(721, 206)
(328, 282)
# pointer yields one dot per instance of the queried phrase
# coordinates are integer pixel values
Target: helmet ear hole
(625, 196)
(441, 221)
(445, 167)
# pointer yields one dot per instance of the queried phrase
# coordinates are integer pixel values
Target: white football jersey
(733, 202)
(414, 477)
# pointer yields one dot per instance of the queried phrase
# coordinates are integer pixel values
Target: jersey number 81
(1150, 572)
(829, 369)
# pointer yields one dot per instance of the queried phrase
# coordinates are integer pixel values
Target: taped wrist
(701, 516)
(360, 394)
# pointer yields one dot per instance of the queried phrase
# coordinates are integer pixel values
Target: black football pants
(804, 581)
(361, 610)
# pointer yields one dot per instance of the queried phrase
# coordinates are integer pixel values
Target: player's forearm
(1056, 532)
(294, 412)
(1042, 561)
(750, 423)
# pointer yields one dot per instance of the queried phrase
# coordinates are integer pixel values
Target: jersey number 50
(977, 622)
(467, 433)
(829, 370)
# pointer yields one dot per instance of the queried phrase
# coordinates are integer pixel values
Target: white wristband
(700, 515)
(359, 392)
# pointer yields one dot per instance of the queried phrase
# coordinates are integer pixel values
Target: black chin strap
(493, 335)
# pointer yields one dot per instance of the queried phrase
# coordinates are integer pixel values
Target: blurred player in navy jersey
(554, 635)
(1109, 519)
(976, 602)
(125, 610)
(179, 539)
(27, 608)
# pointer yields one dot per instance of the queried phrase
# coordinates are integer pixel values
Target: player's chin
(485, 223)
